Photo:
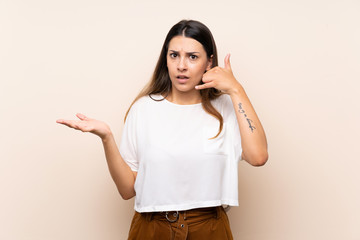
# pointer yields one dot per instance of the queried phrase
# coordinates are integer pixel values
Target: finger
(204, 86)
(69, 123)
(60, 121)
(206, 78)
(210, 75)
(82, 116)
(227, 61)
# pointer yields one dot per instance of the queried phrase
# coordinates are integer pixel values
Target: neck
(184, 98)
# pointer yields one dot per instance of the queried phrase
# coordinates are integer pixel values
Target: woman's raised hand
(220, 78)
(86, 124)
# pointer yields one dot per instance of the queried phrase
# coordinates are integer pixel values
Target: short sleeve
(128, 145)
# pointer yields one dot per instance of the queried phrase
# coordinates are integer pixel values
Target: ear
(209, 63)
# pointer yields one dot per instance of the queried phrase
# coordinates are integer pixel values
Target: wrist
(237, 90)
(107, 136)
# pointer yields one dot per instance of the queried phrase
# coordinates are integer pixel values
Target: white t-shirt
(178, 166)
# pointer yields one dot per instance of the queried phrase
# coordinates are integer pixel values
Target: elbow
(259, 163)
(127, 196)
(259, 159)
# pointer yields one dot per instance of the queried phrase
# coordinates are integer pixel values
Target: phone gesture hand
(221, 78)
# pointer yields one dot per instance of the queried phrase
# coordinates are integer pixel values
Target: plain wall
(299, 62)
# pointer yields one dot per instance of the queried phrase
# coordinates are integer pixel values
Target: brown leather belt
(173, 216)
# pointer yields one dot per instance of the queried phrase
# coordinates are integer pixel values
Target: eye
(173, 55)
(193, 57)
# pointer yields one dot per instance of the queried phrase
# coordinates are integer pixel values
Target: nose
(182, 66)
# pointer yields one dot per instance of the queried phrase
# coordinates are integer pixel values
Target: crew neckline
(182, 105)
(161, 97)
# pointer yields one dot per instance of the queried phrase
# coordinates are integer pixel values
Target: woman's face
(186, 61)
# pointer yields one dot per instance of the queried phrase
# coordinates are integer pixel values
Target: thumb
(82, 116)
(227, 61)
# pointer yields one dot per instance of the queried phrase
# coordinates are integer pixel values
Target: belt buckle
(176, 215)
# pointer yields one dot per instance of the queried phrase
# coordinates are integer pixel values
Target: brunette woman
(182, 140)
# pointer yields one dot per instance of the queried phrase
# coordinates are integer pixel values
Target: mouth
(182, 78)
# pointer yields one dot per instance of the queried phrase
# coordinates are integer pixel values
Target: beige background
(299, 62)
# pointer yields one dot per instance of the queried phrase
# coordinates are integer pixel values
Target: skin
(253, 139)
(121, 173)
(186, 57)
(190, 59)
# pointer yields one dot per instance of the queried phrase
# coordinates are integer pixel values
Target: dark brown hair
(160, 82)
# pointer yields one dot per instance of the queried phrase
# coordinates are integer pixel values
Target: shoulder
(224, 105)
(141, 102)
(223, 101)
(145, 103)
(225, 98)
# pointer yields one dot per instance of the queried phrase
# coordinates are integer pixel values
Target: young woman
(182, 140)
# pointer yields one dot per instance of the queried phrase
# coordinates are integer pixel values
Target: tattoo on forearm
(241, 110)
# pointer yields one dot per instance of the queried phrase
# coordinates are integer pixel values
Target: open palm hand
(86, 124)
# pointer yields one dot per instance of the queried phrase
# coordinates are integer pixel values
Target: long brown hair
(160, 82)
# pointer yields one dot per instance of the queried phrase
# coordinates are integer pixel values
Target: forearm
(253, 139)
(120, 172)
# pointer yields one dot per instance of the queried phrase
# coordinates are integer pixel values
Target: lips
(182, 78)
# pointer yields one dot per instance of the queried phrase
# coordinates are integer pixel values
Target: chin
(184, 88)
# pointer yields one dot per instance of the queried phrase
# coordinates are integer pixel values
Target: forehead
(182, 43)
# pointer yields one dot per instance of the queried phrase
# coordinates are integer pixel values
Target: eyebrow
(186, 53)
